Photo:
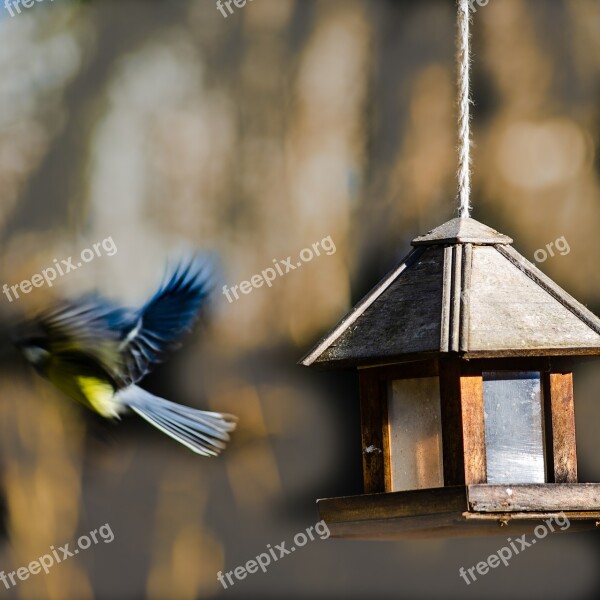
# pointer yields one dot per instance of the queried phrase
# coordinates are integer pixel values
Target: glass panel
(513, 427)
(415, 434)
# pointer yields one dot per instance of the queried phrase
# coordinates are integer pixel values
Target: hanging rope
(464, 108)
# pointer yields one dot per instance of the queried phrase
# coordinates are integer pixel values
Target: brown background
(164, 125)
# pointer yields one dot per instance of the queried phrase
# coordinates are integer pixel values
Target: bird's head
(32, 344)
(34, 350)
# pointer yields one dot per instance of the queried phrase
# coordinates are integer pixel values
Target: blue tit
(96, 352)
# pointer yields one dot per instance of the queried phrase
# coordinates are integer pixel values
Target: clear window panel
(514, 435)
(415, 434)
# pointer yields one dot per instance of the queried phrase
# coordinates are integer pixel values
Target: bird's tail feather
(201, 431)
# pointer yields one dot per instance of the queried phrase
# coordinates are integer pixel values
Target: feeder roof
(464, 289)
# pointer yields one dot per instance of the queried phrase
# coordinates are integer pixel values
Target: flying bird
(96, 352)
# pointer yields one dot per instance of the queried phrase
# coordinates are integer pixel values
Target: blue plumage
(96, 351)
(160, 323)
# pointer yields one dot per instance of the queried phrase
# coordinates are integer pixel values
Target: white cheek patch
(35, 354)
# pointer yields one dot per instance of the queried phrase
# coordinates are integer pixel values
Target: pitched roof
(463, 288)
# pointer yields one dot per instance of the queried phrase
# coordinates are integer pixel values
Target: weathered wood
(462, 526)
(455, 306)
(534, 497)
(373, 415)
(478, 366)
(452, 428)
(508, 517)
(509, 309)
(407, 528)
(408, 370)
(404, 318)
(444, 512)
(465, 297)
(547, 424)
(575, 352)
(394, 505)
(463, 288)
(562, 434)
(552, 288)
(357, 311)
(458, 525)
(375, 383)
(471, 392)
(446, 316)
(455, 318)
(462, 231)
(385, 436)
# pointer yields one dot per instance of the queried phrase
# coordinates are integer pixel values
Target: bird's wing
(165, 317)
(90, 325)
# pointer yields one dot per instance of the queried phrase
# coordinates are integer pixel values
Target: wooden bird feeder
(464, 354)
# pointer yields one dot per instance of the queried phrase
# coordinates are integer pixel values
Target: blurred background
(166, 126)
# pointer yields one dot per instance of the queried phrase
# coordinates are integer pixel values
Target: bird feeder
(464, 354)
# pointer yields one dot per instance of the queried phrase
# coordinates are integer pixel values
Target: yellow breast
(100, 396)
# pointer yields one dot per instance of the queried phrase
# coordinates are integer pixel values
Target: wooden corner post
(463, 424)
(452, 422)
(473, 430)
(374, 423)
(560, 428)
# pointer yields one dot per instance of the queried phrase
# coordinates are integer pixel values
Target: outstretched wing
(90, 325)
(160, 323)
(125, 342)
